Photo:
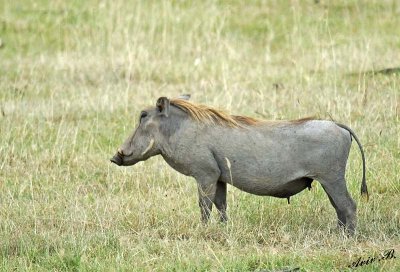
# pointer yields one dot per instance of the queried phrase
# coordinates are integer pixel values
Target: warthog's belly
(283, 190)
(292, 187)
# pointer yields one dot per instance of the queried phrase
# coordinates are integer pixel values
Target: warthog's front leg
(207, 182)
(220, 200)
(212, 193)
(206, 198)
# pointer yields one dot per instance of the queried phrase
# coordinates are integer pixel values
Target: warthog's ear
(184, 96)
(163, 106)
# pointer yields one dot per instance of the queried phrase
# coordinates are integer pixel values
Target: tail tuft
(364, 190)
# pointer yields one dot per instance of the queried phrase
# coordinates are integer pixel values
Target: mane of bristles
(208, 115)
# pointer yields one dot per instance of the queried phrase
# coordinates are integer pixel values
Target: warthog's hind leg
(341, 217)
(342, 202)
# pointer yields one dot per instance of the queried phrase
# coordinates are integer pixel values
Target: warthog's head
(154, 128)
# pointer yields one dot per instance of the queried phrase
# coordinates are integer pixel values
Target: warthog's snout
(117, 159)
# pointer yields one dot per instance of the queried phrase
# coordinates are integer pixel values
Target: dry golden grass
(75, 75)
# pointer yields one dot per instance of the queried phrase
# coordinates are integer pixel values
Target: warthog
(268, 158)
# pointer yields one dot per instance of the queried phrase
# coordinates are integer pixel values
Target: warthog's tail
(364, 189)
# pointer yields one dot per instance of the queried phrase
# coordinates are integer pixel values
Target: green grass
(74, 76)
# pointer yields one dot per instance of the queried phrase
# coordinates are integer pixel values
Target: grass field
(74, 76)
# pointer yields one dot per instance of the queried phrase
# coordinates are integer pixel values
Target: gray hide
(279, 159)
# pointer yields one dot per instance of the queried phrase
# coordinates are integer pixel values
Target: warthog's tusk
(148, 147)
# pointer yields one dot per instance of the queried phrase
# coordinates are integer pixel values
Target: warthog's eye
(143, 115)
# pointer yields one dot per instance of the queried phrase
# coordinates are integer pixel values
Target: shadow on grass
(385, 71)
